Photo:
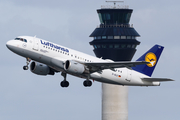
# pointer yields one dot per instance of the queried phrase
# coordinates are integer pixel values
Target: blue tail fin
(152, 56)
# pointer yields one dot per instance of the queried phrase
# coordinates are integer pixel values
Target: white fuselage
(55, 55)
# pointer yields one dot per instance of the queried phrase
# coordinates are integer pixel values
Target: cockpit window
(21, 39)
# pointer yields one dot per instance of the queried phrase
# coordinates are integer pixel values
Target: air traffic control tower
(114, 39)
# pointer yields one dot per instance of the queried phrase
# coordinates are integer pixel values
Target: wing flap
(157, 79)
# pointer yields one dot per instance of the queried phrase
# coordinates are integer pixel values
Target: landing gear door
(35, 44)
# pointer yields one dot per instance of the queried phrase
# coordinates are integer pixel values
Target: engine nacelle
(40, 69)
(74, 67)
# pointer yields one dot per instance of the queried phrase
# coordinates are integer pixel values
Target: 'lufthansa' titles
(54, 46)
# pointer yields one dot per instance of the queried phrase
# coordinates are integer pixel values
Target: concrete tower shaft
(114, 102)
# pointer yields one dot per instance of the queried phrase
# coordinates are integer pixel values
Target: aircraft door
(35, 44)
(129, 75)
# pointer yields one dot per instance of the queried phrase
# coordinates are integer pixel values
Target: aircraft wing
(156, 79)
(97, 66)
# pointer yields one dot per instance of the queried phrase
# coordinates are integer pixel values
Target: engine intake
(74, 67)
(41, 69)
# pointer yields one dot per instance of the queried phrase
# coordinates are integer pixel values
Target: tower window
(100, 17)
(110, 46)
(98, 37)
(103, 37)
(123, 45)
(133, 46)
(95, 47)
(128, 37)
(133, 37)
(128, 46)
(123, 37)
(98, 46)
(116, 46)
(110, 37)
(103, 46)
(116, 37)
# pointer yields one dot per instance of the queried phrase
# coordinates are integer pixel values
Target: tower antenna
(115, 2)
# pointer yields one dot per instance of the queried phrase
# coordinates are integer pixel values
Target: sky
(26, 96)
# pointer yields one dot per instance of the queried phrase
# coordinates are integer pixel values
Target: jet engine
(74, 67)
(41, 69)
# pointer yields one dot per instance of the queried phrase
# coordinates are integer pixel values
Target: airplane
(50, 58)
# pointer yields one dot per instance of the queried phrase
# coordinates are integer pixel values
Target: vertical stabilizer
(151, 56)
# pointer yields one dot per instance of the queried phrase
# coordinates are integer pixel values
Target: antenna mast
(115, 2)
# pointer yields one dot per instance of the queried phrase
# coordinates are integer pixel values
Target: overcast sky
(26, 96)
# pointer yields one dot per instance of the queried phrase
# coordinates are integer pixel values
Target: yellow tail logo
(151, 57)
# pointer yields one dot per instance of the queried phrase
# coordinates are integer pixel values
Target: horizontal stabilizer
(156, 79)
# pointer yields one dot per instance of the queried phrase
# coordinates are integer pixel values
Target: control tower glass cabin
(115, 39)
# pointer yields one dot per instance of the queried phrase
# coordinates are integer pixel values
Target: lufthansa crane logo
(151, 57)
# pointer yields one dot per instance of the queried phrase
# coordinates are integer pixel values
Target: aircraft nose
(9, 44)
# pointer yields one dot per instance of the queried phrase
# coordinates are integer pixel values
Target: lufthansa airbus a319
(49, 58)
